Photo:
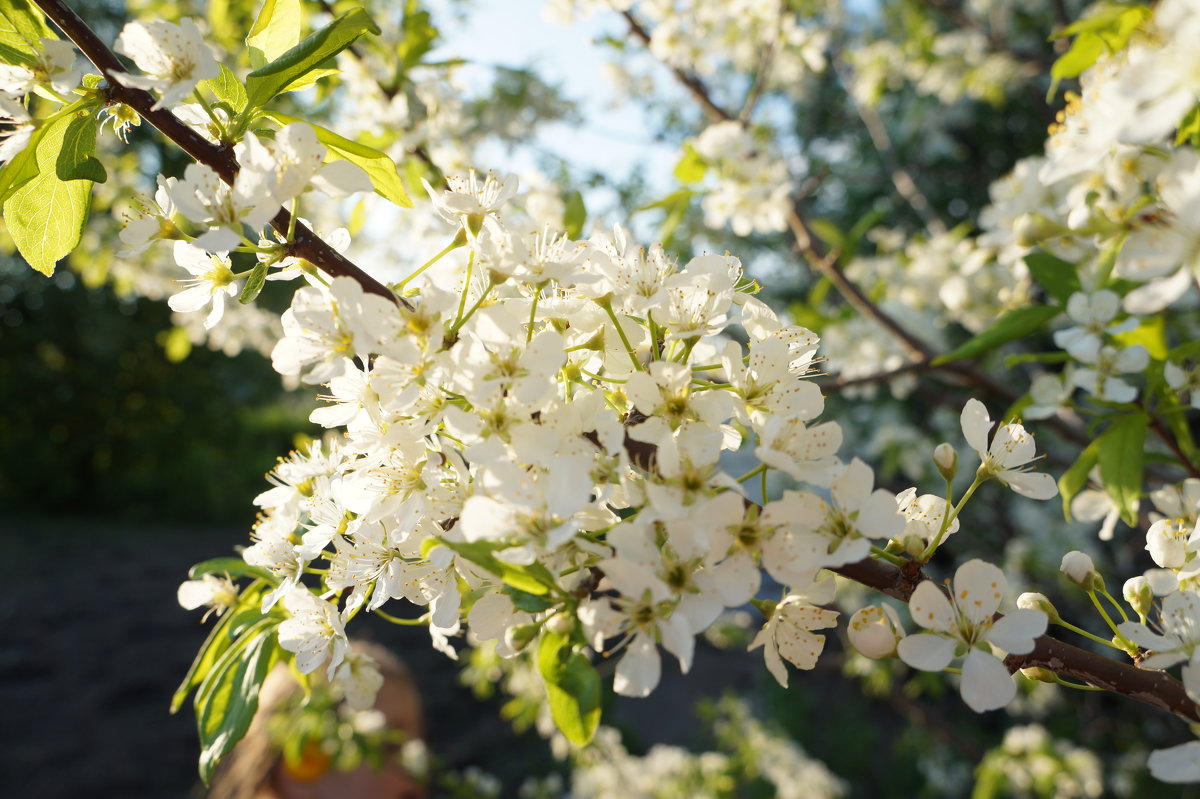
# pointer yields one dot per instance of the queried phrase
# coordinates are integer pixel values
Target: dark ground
(94, 645)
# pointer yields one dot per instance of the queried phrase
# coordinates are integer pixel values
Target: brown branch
(305, 244)
(689, 81)
(1151, 687)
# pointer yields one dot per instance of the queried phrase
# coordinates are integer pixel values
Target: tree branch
(305, 244)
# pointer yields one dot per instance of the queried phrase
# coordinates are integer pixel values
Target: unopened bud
(518, 636)
(560, 623)
(1035, 601)
(914, 545)
(873, 631)
(1139, 595)
(946, 459)
(1032, 229)
(1040, 674)
(1080, 570)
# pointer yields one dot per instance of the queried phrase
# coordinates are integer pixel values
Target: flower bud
(1034, 601)
(873, 631)
(1080, 570)
(560, 623)
(945, 458)
(914, 545)
(1040, 674)
(1138, 594)
(518, 636)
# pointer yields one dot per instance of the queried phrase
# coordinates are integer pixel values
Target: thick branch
(1151, 687)
(305, 244)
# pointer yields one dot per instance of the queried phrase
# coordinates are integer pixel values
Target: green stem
(688, 346)
(608, 309)
(1124, 642)
(595, 376)
(419, 622)
(763, 484)
(759, 469)
(453, 245)
(291, 234)
(212, 115)
(537, 293)
(1075, 685)
(655, 348)
(949, 518)
(1080, 631)
(470, 311)
(462, 300)
(888, 556)
(1104, 593)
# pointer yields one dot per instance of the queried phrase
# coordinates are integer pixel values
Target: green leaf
(228, 89)
(45, 216)
(676, 205)
(572, 687)
(77, 159)
(254, 283)
(1013, 325)
(829, 233)
(575, 215)
(214, 646)
(289, 69)
(420, 36)
(227, 701)
(1122, 460)
(534, 579)
(691, 167)
(234, 567)
(21, 26)
(379, 167)
(1189, 129)
(1075, 478)
(1106, 31)
(523, 600)
(274, 32)
(1058, 277)
(1151, 334)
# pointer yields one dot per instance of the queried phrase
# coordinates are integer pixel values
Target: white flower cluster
(53, 70)
(752, 188)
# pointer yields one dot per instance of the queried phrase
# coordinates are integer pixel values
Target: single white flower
(1011, 449)
(788, 635)
(314, 632)
(174, 57)
(218, 594)
(212, 280)
(1180, 637)
(875, 631)
(965, 619)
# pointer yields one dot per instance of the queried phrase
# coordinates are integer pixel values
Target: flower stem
(453, 245)
(888, 556)
(1124, 616)
(759, 469)
(1080, 631)
(462, 300)
(418, 622)
(949, 518)
(608, 309)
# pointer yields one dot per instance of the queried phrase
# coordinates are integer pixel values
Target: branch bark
(305, 243)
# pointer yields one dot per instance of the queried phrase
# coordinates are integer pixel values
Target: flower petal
(930, 608)
(926, 651)
(986, 683)
(978, 588)
(1016, 631)
(975, 425)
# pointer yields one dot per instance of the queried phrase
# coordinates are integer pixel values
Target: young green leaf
(380, 168)
(575, 215)
(534, 579)
(1058, 277)
(1015, 324)
(228, 89)
(1122, 460)
(46, 215)
(254, 283)
(1075, 478)
(230, 697)
(572, 687)
(274, 32)
(77, 159)
(288, 70)
(234, 567)
(691, 167)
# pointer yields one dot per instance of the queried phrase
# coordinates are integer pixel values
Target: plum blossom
(1180, 636)
(314, 632)
(174, 57)
(1011, 449)
(212, 281)
(965, 619)
(788, 635)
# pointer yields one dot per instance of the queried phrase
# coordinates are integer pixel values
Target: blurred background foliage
(102, 396)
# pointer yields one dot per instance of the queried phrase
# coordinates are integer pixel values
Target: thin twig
(220, 159)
